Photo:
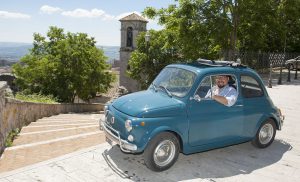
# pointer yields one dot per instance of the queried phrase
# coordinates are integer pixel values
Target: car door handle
(239, 105)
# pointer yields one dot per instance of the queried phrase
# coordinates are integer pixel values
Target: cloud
(83, 13)
(50, 10)
(14, 15)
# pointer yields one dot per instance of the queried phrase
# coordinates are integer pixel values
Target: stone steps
(51, 137)
(30, 129)
(54, 122)
(34, 137)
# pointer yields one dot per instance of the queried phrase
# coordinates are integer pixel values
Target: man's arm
(220, 99)
(229, 99)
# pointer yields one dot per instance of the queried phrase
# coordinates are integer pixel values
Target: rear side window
(250, 87)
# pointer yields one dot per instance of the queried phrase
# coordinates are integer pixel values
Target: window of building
(129, 37)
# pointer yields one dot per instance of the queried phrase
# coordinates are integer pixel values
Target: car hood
(145, 101)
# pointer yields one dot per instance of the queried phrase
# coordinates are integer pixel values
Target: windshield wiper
(154, 86)
(168, 92)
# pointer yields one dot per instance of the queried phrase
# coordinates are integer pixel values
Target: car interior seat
(231, 82)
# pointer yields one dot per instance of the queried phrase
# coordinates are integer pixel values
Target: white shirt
(228, 92)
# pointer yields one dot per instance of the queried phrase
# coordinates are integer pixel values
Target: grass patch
(11, 136)
(36, 98)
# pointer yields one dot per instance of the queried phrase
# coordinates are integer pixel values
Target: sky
(19, 19)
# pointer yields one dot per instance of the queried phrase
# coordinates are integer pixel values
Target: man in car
(223, 92)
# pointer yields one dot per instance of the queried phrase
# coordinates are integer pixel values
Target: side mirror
(196, 98)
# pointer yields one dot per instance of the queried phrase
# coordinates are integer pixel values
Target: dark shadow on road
(219, 163)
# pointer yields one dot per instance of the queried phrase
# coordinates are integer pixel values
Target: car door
(255, 103)
(210, 121)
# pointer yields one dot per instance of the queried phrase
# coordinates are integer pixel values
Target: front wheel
(161, 152)
(265, 134)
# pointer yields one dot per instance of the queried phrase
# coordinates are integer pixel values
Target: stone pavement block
(83, 176)
(45, 174)
(4, 180)
(21, 177)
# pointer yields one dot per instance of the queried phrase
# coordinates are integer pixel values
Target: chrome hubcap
(164, 153)
(266, 133)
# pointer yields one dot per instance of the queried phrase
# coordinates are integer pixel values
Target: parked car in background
(176, 115)
(291, 63)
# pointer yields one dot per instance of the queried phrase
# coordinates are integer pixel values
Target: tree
(189, 22)
(205, 28)
(209, 28)
(290, 25)
(64, 65)
(150, 58)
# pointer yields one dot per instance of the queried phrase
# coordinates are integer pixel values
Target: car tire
(167, 146)
(265, 134)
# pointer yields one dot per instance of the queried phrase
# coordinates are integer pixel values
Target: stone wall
(2, 104)
(15, 114)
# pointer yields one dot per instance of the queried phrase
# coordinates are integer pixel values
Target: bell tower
(131, 26)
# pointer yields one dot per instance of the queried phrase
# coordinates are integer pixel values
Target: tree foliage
(207, 28)
(204, 27)
(64, 65)
(149, 58)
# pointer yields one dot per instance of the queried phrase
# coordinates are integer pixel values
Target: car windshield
(174, 81)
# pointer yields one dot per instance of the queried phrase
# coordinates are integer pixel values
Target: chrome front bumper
(282, 117)
(111, 138)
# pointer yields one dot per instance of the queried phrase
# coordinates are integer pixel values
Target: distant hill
(4, 62)
(13, 51)
(112, 52)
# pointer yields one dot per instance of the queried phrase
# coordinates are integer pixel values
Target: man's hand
(215, 91)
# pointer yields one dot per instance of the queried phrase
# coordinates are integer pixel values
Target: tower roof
(133, 17)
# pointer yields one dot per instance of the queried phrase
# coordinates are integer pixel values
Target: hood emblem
(112, 120)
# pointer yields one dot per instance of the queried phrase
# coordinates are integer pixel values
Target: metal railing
(258, 60)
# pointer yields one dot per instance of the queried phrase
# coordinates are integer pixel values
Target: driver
(222, 92)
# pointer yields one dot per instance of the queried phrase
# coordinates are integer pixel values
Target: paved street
(279, 162)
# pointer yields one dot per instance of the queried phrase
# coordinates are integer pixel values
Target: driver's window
(204, 87)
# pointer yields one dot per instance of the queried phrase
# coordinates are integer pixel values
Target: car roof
(208, 66)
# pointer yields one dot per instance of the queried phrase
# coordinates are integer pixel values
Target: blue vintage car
(178, 113)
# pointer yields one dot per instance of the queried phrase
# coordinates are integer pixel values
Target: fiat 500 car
(174, 115)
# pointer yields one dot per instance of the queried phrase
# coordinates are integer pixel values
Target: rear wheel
(265, 134)
(161, 152)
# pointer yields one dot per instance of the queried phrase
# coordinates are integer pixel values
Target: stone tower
(131, 26)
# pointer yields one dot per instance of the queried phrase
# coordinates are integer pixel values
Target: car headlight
(130, 138)
(128, 125)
